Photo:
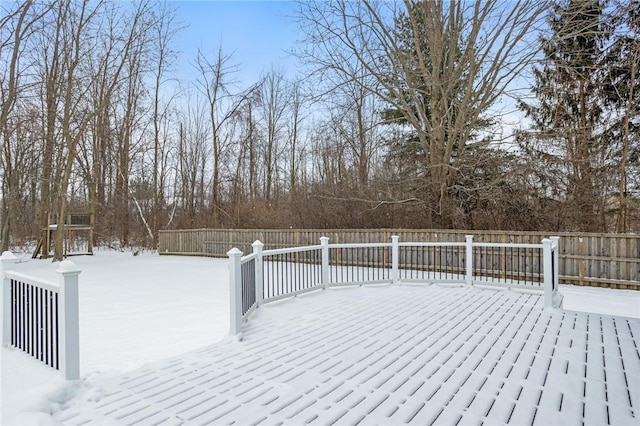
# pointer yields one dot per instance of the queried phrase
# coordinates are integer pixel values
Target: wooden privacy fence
(605, 260)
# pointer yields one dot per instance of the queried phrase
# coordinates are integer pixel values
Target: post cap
(234, 252)
(257, 243)
(68, 267)
(7, 255)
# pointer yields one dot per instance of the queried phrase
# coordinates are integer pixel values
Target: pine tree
(567, 116)
(621, 85)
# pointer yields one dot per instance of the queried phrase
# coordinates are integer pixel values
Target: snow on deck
(390, 355)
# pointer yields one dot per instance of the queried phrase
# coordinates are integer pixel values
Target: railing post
(257, 249)
(547, 272)
(469, 260)
(395, 258)
(556, 260)
(557, 297)
(70, 320)
(324, 242)
(235, 291)
(7, 262)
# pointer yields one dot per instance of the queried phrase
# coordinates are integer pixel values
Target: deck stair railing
(40, 317)
(269, 275)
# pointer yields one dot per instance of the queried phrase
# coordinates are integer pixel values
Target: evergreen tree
(621, 85)
(567, 117)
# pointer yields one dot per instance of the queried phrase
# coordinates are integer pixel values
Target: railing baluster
(298, 273)
(361, 264)
(487, 263)
(14, 304)
(272, 279)
(38, 324)
(290, 270)
(528, 269)
(303, 273)
(281, 282)
(480, 271)
(432, 250)
(57, 331)
(349, 265)
(447, 262)
(440, 261)
(20, 341)
(368, 265)
(51, 343)
(47, 343)
(25, 317)
(341, 265)
(540, 279)
(275, 277)
(285, 266)
(518, 269)
(30, 326)
(279, 276)
(354, 265)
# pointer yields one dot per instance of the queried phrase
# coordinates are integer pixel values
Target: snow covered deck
(391, 355)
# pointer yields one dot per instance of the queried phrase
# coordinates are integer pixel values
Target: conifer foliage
(582, 96)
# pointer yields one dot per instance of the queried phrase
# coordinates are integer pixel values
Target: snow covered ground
(133, 310)
(142, 309)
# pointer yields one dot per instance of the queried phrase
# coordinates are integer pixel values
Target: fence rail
(41, 317)
(607, 260)
(269, 275)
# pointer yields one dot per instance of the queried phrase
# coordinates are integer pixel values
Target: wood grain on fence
(606, 260)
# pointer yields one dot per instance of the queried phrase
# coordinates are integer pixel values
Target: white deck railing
(269, 275)
(40, 317)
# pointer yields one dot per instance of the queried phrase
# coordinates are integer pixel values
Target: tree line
(420, 114)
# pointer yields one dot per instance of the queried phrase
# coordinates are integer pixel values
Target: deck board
(391, 355)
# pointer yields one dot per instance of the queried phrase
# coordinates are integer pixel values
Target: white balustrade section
(288, 272)
(42, 317)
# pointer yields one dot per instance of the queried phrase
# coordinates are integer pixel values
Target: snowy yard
(147, 309)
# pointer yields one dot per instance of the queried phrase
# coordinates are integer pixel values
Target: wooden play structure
(78, 235)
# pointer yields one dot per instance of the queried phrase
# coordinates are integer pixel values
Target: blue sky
(256, 33)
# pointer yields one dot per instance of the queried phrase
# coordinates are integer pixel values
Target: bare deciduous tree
(15, 28)
(164, 32)
(215, 82)
(74, 23)
(273, 107)
(440, 64)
